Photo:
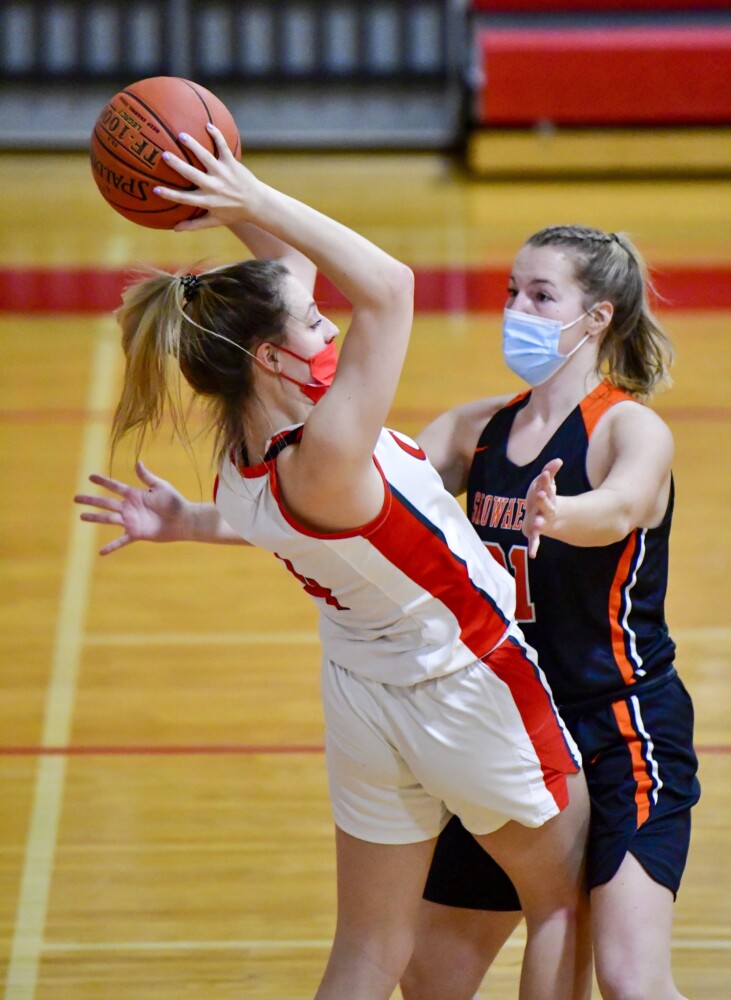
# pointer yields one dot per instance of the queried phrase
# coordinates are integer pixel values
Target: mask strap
(586, 312)
(575, 349)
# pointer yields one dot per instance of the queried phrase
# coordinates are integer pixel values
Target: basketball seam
(156, 116)
(134, 208)
(139, 170)
(202, 99)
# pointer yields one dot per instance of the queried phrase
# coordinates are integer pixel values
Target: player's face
(307, 330)
(543, 283)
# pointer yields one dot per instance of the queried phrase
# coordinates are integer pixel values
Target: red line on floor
(60, 291)
(214, 749)
(171, 750)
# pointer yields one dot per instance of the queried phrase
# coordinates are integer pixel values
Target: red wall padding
(607, 76)
(595, 6)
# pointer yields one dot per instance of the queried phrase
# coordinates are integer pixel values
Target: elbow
(627, 519)
(399, 284)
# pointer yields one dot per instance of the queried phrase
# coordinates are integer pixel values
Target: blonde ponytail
(205, 327)
(151, 317)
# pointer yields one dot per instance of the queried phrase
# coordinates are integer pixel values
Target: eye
(544, 297)
(317, 323)
(512, 292)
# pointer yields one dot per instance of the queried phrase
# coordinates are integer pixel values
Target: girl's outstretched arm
(157, 513)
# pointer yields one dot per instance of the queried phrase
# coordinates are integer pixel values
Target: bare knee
(454, 949)
(458, 980)
(625, 981)
(371, 965)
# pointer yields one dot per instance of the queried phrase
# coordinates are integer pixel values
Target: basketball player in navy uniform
(569, 486)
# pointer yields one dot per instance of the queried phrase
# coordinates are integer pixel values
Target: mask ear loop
(587, 312)
(220, 336)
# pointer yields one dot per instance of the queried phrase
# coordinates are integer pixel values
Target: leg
(379, 894)
(454, 949)
(632, 918)
(469, 910)
(547, 867)
(640, 834)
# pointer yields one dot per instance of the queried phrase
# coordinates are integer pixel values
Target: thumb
(147, 477)
(553, 466)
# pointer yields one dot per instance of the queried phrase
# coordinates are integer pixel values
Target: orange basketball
(133, 131)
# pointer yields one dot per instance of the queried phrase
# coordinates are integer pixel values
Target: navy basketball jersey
(594, 614)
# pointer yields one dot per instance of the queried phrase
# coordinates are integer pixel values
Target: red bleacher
(635, 75)
(595, 6)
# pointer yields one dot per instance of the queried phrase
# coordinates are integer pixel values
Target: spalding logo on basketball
(133, 131)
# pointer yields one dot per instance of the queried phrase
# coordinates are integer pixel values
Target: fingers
(111, 518)
(205, 222)
(533, 542)
(204, 156)
(144, 474)
(181, 197)
(118, 543)
(104, 503)
(109, 484)
(545, 502)
(222, 147)
(181, 166)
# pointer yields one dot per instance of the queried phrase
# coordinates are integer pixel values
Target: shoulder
(451, 439)
(630, 418)
(631, 435)
(471, 418)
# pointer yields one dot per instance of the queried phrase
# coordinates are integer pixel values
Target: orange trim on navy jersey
(640, 772)
(595, 405)
(616, 593)
(517, 399)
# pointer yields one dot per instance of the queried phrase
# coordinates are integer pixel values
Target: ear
(267, 356)
(600, 317)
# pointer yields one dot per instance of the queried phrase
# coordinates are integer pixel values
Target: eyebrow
(538, 281)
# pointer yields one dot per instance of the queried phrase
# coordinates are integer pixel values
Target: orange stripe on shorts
(641, 775)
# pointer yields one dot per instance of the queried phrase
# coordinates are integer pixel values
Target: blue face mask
(530, 345)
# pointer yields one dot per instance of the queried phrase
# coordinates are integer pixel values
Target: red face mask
(322, 371)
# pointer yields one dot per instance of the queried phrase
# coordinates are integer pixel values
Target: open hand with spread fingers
(540, 505)
(154, 514)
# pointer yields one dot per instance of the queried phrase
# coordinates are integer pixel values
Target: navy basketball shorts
(640, 770)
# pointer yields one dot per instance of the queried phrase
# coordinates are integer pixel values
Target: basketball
(132, 132)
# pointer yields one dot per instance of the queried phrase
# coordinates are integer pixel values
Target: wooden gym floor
(165, 829)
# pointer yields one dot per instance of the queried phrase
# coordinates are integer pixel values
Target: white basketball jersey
(409, 596)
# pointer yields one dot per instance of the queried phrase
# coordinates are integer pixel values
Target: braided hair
(635, 353)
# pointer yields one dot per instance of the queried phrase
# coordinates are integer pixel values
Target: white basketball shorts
(485, 743)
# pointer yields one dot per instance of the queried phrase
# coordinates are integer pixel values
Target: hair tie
(190, 283)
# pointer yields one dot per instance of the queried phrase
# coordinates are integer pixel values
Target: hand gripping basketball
(225, 188)
(133, 132)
